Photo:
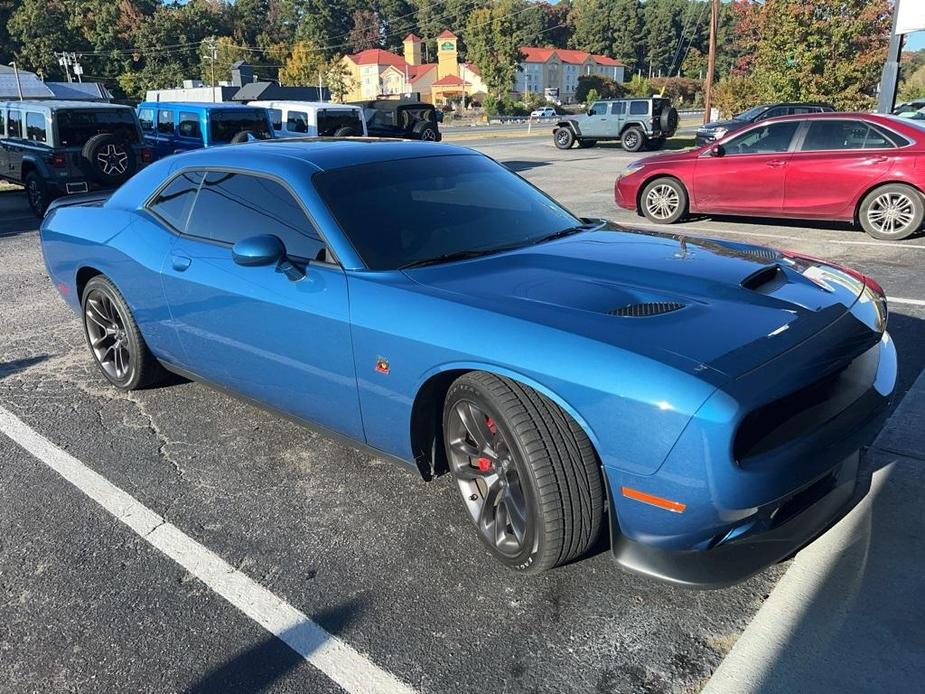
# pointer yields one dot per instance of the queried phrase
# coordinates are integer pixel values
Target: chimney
(412, 46)
(241, 74)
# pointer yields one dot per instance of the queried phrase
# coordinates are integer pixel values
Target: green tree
(626, 28)
(591, 28)
(38, 28)
(555, 30)
(604, 87)
(638, 86)
(494, 36)
(227, 53)
(663, 27)
(367, 31)
(590, 97)
(303, 66)
(326, 24)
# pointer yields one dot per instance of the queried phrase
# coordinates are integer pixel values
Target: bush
(604, 87)
(680, 90)
(639, 86)
(590, 96)
(735, 94)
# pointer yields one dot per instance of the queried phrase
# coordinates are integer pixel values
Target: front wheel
(528, 475)
(893, 211)
(664, 201)
(633, 139)
(564, 138)
(114, 339)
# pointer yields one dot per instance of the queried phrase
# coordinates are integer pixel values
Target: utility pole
(890, 77)
(211, 55)
(18, 85)
(711, 61)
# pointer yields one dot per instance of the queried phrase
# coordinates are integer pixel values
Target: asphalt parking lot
(378, 558)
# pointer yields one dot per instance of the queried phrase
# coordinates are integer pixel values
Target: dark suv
(410, 120)
(717, 129)
(636, 123)
(57, 148)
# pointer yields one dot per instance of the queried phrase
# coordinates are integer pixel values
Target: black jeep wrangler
(410, 120)
(637, 123)
(57, 148)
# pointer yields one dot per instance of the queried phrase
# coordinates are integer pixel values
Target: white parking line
(910, 302)
(339, 661)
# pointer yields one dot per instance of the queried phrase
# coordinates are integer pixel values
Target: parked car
(547, 112)
(907, 108)
(171, 127)
(56, 148)
(851, 167)
(410, 120)
(314, 118)
(710, 410)
(717, 129)
(636, 123)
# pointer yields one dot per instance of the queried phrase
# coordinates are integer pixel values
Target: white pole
(18, 85)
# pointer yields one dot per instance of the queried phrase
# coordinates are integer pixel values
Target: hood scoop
(646, 309)
(765, 279)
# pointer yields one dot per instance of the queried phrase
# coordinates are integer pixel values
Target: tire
(904, 203)
(633, 139)
(105, 311)
(563, 137)
(426, 132)
(585, 144)
(668, 121)
(345, 131)
(108, 160)
(664, 201)
(37, 194)
(540, 472)
(241, 137)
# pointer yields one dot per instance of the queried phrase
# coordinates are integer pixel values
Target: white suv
(546, 112)
(314, 119)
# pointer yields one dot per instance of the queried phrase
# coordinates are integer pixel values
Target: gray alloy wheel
(528, 475)
(114, 339)
(633, 139)
(429, 134)
(893, 211)
(564, 138)
(664, 201)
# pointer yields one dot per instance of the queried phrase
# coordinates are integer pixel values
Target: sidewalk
(849, 614)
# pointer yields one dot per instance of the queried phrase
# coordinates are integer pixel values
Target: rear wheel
(528, 474)
(633, 139)
(894, 211)
(114, 339)
(564, 138)
(37, 194)
(664, 201)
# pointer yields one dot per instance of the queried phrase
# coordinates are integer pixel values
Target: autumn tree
(303, 66)
(494, 36)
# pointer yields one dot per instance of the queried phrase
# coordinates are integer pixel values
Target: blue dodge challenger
(703, 402)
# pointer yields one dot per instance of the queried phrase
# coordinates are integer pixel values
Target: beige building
(376, 73)
(559, 69)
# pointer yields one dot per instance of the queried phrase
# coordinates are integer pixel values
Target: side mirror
(254, 251)
(590, 111)
(717, 151)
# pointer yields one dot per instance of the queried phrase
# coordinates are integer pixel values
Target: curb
(847, 614)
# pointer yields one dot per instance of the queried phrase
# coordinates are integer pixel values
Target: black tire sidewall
(33, 179)
(913, 193)
(682, 207)
(136, 342)
(421, 128)
(640, 139)
(91, 150)
(535, 535)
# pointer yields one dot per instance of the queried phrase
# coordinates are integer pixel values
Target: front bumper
(701, 139)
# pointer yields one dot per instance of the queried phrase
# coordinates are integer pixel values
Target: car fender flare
(456, 369)
(633, 124)
(31, 162)
(569, 124)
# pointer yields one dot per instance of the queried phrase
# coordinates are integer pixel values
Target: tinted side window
(15, 127)
(189, 126)
(233, 206)
(165, 122)
(276, 118)
(773, 113)
(639, 108)
(842, 134)
(617, 108)
(176, 199)
(767, 139)
(297, 122)
(35, 127)
(146, 119)
(598, 109)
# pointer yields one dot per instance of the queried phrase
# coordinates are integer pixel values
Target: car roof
(205, 106)
(270, 103)
(830, 115)
(321, 153)
(58, 104)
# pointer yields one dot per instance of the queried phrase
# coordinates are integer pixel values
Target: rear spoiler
(95, 199)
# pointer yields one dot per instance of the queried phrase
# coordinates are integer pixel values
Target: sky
(915, 41)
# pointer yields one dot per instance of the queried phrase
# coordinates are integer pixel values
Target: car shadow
(15, 215)
(518, 166)
(8, 368)
(259, 666)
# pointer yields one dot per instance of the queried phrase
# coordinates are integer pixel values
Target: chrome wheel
(662, 201)
(483, 464)
(891, 213)
(563, 137)
(107, 335)
(631, 141)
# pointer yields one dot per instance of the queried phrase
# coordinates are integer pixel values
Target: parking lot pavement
(376, 557)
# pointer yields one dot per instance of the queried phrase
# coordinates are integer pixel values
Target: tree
(639, 86)
(695, 64)
(494, 36)
(626, 28)
(591, 29)
(604, 87)
(663, 27)
(39, 28)
(734, 94)
(590, 97)
(337, 79)
(227, 53)
(326, 24)
(303, 66)
(555, 31)
(366, 32)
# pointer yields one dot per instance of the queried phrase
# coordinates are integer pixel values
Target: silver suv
(636, 123)
(56, 148)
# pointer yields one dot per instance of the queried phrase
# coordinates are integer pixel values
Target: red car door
(748, 175)
(838, 160)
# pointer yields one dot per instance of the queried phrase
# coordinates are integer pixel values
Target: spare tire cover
(108, 159)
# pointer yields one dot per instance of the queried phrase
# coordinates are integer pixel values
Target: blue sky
(915, 41)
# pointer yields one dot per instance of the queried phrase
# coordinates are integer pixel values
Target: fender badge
(382, 365)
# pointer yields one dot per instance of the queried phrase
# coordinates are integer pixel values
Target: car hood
(730, 124)
(699, 305)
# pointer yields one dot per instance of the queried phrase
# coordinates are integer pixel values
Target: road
(375, 556)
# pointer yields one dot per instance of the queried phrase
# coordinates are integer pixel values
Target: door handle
(878, 160)
(180, 262)
(776, 163)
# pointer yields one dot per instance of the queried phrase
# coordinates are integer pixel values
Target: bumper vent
(646, 310)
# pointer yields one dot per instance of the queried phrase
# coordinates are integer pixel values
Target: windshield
(228, 123)
(751, 113)
(398, 213)
(330, 121)
(77, 126)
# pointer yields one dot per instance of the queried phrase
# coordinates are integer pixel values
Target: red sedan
(854, 167)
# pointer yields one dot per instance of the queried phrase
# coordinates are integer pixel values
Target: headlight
(632, 168)
(717, 133)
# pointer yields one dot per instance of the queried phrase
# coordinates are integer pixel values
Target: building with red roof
(554, 72)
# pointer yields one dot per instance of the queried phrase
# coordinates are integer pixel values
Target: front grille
(646, 309)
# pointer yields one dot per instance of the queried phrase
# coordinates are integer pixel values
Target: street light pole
(711, 62)
(890, 76)
(16, 74)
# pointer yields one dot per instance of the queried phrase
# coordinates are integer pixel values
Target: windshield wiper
(449, 257)
(568, 231)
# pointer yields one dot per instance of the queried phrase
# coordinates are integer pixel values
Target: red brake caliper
(484, 463)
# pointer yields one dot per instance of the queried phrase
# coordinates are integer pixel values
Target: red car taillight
(57, 160)
(147, 156)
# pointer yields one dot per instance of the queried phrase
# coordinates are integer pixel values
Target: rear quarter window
(146, 119)
(174, 202)
(36, 130)
(639, 108)
(15, 126)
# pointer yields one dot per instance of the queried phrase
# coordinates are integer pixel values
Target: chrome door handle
(776, 163)
(180, 262)
(878, 160)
